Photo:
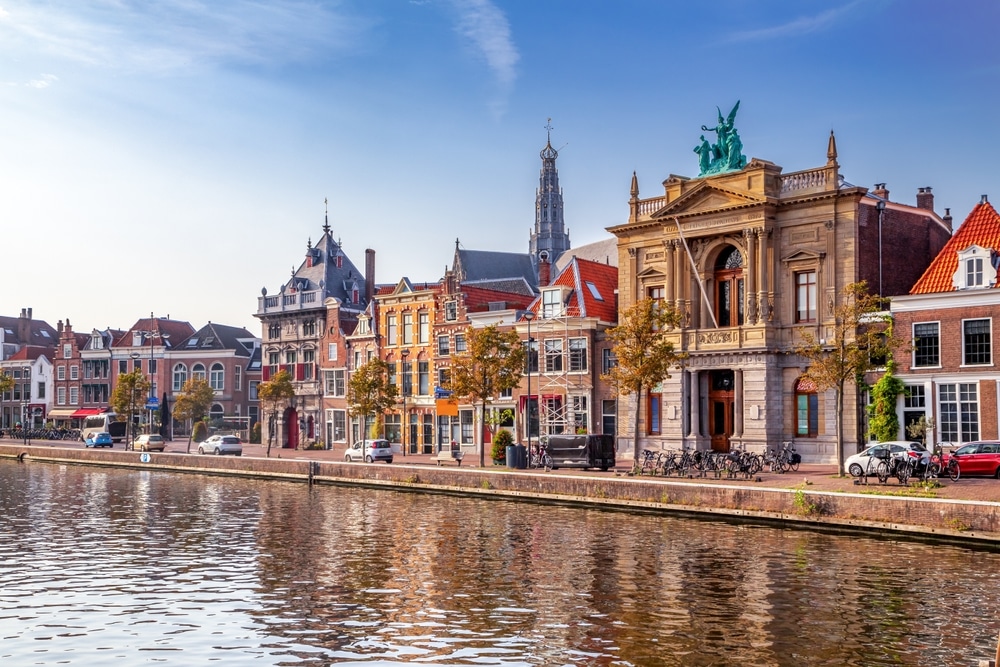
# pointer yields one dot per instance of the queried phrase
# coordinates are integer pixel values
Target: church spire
(550, 229)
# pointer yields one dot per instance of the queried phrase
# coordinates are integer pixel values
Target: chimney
(59, 327)
(369, 275)
(544, 269)
(24, 327)
(983, 199)
(947, 218)
(880, 191)
(925, 199)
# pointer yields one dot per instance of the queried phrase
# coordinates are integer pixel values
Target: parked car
(221, 444)
(101, 439)
(978, 458)
(864, 463)
(370, 451)
(152, 442)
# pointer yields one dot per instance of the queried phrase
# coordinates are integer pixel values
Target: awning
(86, 412)
(62, 413)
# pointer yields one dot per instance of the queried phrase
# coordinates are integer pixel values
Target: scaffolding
(564, 396)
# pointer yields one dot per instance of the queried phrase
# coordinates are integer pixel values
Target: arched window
(806, 408)
(729, 293)
(216, 412)
(217, 377)
(198, 372)
(180, 376)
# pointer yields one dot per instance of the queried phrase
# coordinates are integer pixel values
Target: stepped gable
(982, 228)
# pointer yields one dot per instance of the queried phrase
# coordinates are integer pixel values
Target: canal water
(102, 566)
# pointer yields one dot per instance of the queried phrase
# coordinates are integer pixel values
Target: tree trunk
(635, 430)
(482, 442)
(840, 430)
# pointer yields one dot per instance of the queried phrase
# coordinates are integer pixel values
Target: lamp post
(152, 334)
(403, 372)
(25, 402)
(528, 316)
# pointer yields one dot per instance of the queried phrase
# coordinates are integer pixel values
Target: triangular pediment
(707, 198)
(649, 273)
(404, 286)
(803, 256)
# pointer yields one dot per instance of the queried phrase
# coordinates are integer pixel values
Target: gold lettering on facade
(722, 222)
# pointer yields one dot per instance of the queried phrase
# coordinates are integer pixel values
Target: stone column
(763, 272)
(671, 285)
(694, 427)
(750, 238)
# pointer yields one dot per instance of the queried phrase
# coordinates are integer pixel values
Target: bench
(446, 455)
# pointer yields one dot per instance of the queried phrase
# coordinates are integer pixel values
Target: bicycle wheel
(882, 472)
(546, 461)
(794, 464)
(954, 470)
(904, 470)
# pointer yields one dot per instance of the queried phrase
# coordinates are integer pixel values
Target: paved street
(814, 477)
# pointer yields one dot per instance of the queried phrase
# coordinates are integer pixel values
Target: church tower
(550, 230)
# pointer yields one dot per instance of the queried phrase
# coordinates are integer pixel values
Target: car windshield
(968, 449)
(229, 439)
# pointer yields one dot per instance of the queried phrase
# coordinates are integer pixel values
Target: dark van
(582, 451)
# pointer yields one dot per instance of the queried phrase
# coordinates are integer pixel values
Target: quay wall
(959, 521)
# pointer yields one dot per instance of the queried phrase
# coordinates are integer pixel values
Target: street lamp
(152, 334)
(404, 355)
(25, 402)
(528, 316)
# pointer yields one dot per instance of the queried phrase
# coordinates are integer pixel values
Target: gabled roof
(486, 265)
(981, 228)
(592, 290)
(30, 353)
(478, 299)
(38, 331)
(219, 337)
(326, 268)
(707, 196)
(172, 331)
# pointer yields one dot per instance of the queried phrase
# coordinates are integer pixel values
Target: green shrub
(255, 434)
(501, 441)
(200, 432)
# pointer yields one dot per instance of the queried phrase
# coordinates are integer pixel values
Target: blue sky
(174, 156)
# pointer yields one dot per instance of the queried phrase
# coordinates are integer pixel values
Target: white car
(369, 451)
(221, 444)
(864, 463)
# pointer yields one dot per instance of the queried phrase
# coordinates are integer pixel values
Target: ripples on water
(142, 567)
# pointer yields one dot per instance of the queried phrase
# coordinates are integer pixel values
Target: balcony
(289, 302)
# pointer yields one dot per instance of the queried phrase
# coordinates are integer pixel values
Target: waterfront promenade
(967, 511)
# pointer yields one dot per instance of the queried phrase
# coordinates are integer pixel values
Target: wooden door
(721, 409)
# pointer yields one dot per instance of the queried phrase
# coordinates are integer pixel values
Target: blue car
(100, 440)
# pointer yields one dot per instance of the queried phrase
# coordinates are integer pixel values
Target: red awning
(86, 412)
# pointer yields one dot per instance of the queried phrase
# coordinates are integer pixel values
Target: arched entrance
(291, 428)
(721, 408)
(729, 288)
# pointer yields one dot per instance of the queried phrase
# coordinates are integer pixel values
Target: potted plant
(501, 441)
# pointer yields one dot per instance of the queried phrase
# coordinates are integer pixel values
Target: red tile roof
(478, 299)
(981, 228)
(600, 302)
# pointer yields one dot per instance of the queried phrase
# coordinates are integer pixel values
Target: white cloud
(800, 26)
(171, 34)
(481, 22)
(44, 82)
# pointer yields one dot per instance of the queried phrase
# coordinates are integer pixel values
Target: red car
(978, 458)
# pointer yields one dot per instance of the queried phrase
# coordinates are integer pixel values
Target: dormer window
(975, 269)
(136, 340)
(552, 303)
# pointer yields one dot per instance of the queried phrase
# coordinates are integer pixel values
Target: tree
(194, 402)
(862, 340)
(130, 390)
(493, 363)
(6, 383)
(883, 422)
(369, 392)
(644, 352)
(273, 394)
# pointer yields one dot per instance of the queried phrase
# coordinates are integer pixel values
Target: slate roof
(39, 332)
(220, 337)
(319, 271)
(176, 330)
(473, 266)
(981, 228)
(603, 252)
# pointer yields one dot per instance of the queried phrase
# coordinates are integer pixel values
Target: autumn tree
(492, 363)
(194, 402)
(273, 394)
(6, 382)
(129, 393)
(862, 340)
(369, 392)
(644, 352)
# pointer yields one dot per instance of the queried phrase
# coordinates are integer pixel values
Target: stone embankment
(946, 519)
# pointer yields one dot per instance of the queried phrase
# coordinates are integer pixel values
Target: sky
(174, 157)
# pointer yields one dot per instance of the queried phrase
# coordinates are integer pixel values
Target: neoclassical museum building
(753, 258)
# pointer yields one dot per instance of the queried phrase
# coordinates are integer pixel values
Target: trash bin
(517, 456)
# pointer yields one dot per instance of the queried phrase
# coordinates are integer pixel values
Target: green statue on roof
(726, 154)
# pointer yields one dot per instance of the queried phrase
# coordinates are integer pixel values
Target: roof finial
(548, 130)
(635, 187)
(831, 150)
(326, 216)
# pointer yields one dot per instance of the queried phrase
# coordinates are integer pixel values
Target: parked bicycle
(540, 457)
(939, 467)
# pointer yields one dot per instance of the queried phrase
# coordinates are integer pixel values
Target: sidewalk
(815, 477)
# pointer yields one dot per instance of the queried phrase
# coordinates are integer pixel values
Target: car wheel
(217, 452)
(388, 460)
(201, 450)
(856, 470)
(369, 459)
(347, 458)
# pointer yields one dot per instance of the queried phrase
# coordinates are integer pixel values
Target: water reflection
(139, 566)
